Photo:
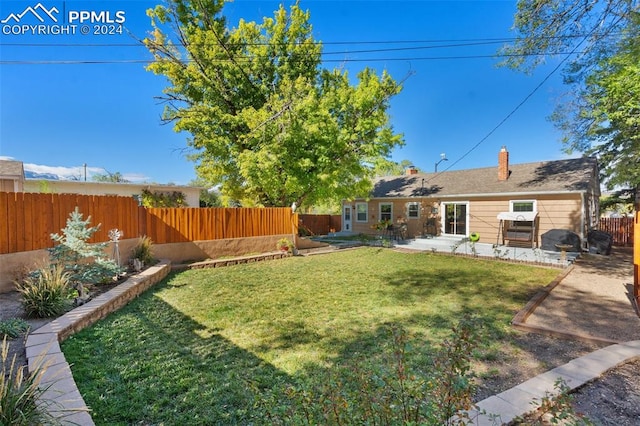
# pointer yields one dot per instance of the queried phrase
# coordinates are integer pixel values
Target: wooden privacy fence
(621, 228)
(27, 220)
(320, 224)
(173, 225)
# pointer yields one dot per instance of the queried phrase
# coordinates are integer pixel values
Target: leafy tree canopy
(384, 167)
(620, 201)
(209, 196)
(269, 125)
(600, 114)
(109, 177)
(163, 198)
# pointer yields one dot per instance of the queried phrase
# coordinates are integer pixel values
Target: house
(504, 204)
(11, 176)
(12, 179)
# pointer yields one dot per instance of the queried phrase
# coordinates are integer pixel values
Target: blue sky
(56, 117)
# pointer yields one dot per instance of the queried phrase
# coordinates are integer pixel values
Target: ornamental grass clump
(143, 251)
(20, 393)
(46, 292)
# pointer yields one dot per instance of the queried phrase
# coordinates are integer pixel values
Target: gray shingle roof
(11, 169)
(572, 175)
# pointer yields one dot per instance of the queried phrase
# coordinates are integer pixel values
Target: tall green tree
(604, 117)
(599, 115)
(268, 125)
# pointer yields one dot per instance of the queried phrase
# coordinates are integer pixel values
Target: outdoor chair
(429, 229)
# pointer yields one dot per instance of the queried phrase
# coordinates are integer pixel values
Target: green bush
(46, 292)
(20, 393)
(13, 327)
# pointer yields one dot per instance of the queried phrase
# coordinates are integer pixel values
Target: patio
(461, 245)
(464, 246)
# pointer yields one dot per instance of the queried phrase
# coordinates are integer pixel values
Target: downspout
(582, 220)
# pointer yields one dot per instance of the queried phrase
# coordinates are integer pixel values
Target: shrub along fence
(27, 220)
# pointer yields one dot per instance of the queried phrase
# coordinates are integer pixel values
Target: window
(361, 212)
(386, 211)
(522, 206)
(413, 210)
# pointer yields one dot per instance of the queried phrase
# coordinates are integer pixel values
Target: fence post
(636, 252)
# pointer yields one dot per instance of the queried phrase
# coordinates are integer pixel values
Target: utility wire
(517, 107)
(247, 60)
(463, 42)
(452, 44)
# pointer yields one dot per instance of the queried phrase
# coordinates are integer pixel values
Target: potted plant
(474, 237)
(382, 225)
(284, 245)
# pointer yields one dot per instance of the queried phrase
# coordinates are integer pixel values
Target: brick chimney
(411, 170)
(503, 164)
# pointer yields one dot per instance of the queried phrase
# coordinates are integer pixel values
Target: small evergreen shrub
(13, 327)
(46, 292)
(20, 393)
(86, 263)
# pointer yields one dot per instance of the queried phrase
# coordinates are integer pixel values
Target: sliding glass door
(455, 218)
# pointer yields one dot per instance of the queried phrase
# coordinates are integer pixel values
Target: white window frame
(443, 214)
(390, 213)
(533, 202)
(366, 212)
(417, 211)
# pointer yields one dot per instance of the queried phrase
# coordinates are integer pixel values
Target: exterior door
(455, 218)
(346, 218)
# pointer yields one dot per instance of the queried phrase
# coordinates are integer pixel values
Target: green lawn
(203, 345)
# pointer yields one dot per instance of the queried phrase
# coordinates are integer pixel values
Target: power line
(463, 41)
(452, 43)
(517, 107)
(247, 60)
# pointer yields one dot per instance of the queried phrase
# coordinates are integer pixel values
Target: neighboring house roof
(572, 175)
(11, 170)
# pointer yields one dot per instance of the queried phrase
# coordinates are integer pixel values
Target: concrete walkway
(592, 302)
